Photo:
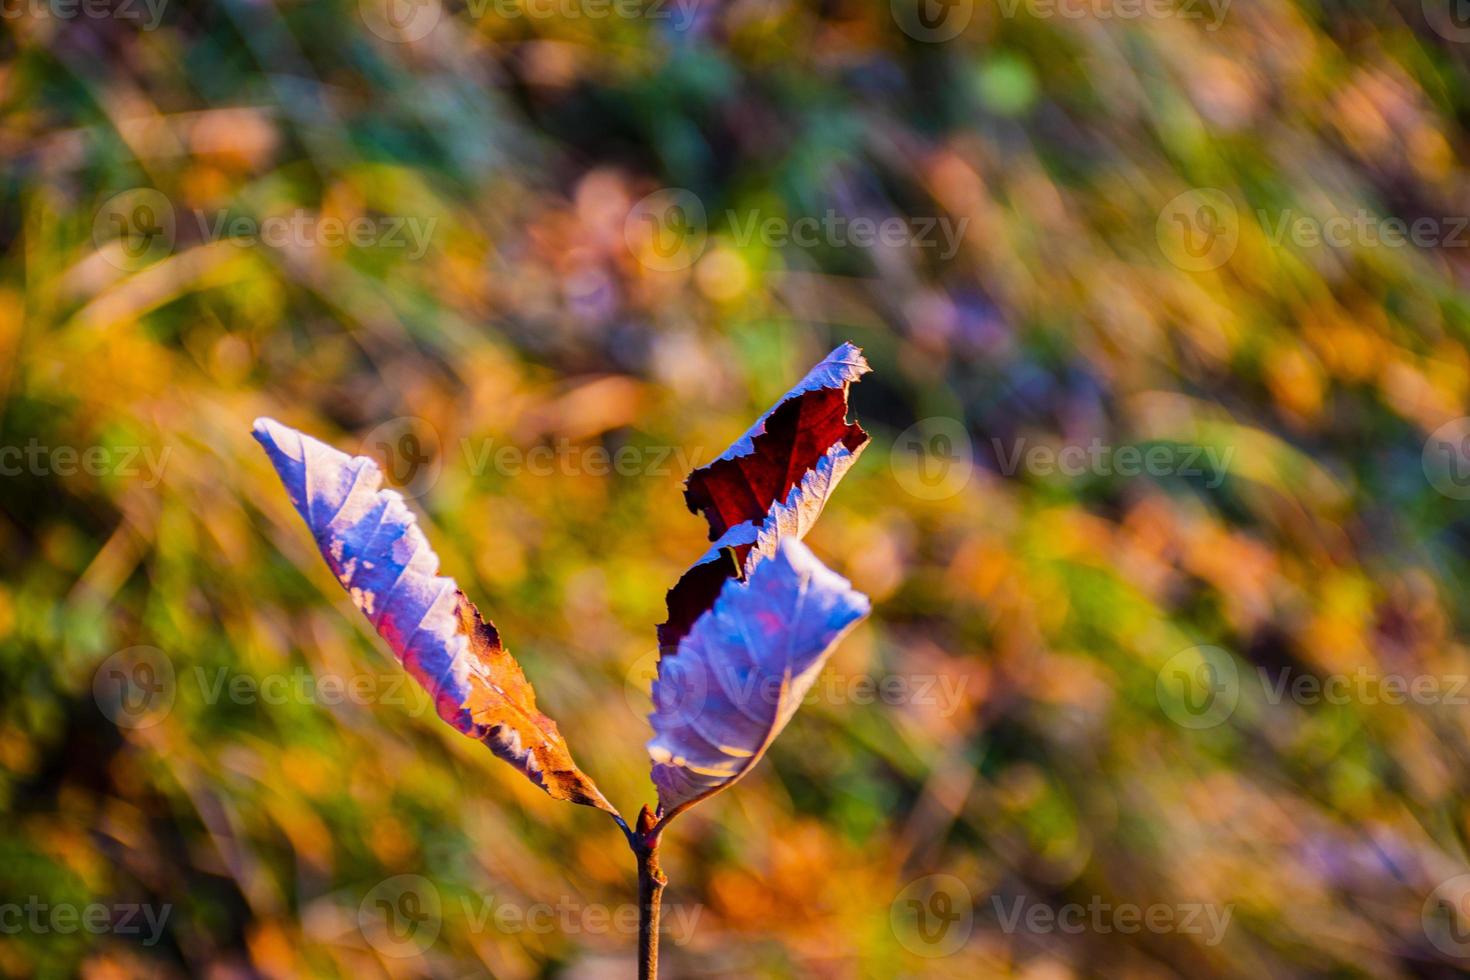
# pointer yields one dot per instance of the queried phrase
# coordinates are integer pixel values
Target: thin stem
(627, 831)
(651, 882)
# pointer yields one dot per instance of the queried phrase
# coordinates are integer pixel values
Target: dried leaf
(742, 670)
(771, 484)
(372, 543)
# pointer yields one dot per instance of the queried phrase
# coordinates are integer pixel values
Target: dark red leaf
(772, 483)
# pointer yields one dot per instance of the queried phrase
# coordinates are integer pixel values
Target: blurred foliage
(1049, 603)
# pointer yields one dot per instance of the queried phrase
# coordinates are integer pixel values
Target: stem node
(651, 883)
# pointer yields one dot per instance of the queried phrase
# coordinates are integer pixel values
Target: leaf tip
(277, 439)
(265, 429)
(849, 353)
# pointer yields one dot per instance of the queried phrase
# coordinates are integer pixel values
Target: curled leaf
(742, 670)
(770, 484)
(372, 543)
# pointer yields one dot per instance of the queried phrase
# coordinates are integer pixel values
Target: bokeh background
(1079, 671)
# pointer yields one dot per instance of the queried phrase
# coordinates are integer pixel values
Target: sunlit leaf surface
(372, 543)
(743, 670)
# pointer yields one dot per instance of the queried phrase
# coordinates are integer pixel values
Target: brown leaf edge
(503, 703)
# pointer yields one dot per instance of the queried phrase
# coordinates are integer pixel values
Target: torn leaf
(771, 484)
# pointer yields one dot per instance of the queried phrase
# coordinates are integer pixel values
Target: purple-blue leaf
(742, 670)
(373, 545)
